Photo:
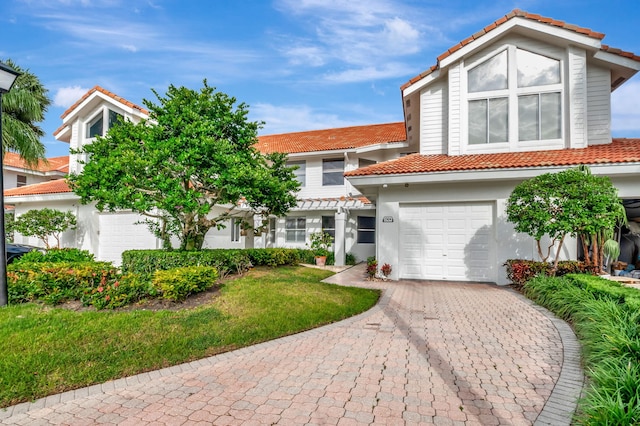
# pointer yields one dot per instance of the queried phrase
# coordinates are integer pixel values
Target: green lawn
(47, 350)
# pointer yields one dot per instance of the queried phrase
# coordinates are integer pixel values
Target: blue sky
(298, 64)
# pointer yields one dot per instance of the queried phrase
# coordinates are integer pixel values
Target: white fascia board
(23, 170)
(104, 98)
(558, 32)
(332, 152)
(38, 198)
(486, 175)
(66, 131)
(418, 85)
(617, 60)
(381, 146)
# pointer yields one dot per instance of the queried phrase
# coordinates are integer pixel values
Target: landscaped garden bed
(46, 349)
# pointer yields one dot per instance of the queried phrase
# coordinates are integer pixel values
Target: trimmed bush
(56, 255)
(178, 283)
(519, 271)
(121, 291)
(226, 261)
(54, 283)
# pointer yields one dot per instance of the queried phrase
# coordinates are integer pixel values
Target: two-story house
(327, 202)
(526, 95)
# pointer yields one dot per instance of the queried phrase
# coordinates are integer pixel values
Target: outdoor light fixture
(7, 77)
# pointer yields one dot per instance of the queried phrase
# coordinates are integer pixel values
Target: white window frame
(362, 230)
(511, 93)
(329, 230)
(332, 171)
(297, 231)
(235, 229)
(103, 114)
(21, 180)
(301, 172)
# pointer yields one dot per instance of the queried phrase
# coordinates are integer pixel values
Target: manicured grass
(46, 350)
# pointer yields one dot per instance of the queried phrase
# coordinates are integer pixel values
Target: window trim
(512, 93)
(235, 229)
(296, 230)
(329, 230)
(302, 169)
(362, 231)
(332, 172)
(103, 114)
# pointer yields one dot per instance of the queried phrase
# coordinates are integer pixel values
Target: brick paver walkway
(429, 352)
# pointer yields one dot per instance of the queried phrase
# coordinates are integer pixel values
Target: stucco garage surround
(451, 231)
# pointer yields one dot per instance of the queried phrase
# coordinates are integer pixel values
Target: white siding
(454, 111)
(599, 105)
(119, 232)
(577, 105)
(433, 111)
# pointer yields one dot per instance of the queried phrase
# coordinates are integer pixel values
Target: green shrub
(519, 271)
(54, 283)
(120, 291)
(273, 256)
(350, 259)
(232, 261)
(606, 318)
(56, 255)
(178, 283)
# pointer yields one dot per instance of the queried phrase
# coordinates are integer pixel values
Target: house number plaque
(387, 219)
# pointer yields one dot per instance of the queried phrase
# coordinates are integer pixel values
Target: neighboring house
(524, 96)
(17, 173)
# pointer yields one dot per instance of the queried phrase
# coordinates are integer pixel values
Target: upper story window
(21, 180)
(300, 172)
(333, 172)
(514, 94)
(95, 127)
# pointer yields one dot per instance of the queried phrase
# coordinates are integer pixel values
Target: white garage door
(447, 242)
(119, 232)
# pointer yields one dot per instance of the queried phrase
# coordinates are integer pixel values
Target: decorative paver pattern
(429, 353)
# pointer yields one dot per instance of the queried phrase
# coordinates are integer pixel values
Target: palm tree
(22, 108)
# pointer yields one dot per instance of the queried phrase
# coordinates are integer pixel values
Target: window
(272, 231)
(366, 230)
(235, 229)
(516, 89)
(363, 162)
(300, 172)
(329, 225)
(95, 127)
(21, 181)
(295, 229)
(332, 172)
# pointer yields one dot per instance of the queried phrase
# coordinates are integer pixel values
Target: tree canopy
(195, 151)
(23, 107)
(572, 202)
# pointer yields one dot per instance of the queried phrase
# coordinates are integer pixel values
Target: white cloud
(295, 118)
(625, 110)
(66, 96)
(355, 75)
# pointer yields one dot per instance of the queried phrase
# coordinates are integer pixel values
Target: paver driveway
(429, 352)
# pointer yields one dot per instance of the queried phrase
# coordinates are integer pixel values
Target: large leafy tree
(572, 202)
(195, 152)
(23, 107)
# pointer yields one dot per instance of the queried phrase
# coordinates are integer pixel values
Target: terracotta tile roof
(57, 186)
(507, 17)
(330, 139)
(59, 164)
(619, 151)
(104, 91)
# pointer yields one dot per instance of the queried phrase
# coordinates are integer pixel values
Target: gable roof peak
(111, 95)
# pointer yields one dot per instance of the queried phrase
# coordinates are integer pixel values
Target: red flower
(116, 284)
(100, 289)
(107, 297)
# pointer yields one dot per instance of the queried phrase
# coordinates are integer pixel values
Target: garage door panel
(447, 241)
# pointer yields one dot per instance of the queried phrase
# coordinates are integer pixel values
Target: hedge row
(99, 284)
(226, 261)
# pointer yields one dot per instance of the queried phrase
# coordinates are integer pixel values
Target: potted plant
(320, 243)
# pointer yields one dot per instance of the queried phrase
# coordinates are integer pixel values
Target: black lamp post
(7, 77)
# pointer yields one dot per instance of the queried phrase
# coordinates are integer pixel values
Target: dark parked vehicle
(14, 251)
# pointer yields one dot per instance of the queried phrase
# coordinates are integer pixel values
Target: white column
(339, 244)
